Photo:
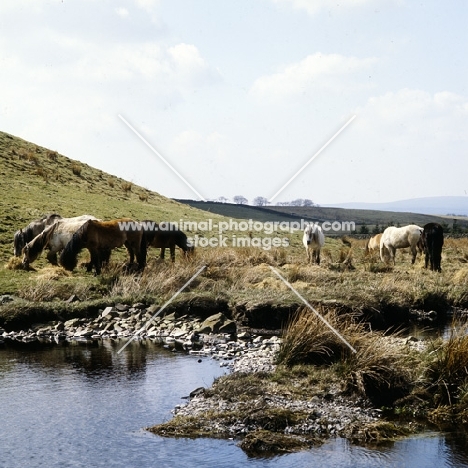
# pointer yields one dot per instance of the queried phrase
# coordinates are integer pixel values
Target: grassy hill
(36, 180)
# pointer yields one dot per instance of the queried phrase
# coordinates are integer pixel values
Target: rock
(198, 391)
(6, 298)
(122, 307)
(72, 298)
(72, 323)
(217, 323)
(109, 312)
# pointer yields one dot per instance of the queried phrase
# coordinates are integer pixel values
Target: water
(84, 405)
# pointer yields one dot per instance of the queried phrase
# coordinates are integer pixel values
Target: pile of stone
(216, 336)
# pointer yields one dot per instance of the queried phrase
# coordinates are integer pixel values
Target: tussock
(461, 276)
(14, 263)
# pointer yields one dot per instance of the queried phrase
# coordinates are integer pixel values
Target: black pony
(432, 239)
(166, 235)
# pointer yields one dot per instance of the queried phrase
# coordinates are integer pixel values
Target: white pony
(399, 238)
(313, 241)
(54, 238)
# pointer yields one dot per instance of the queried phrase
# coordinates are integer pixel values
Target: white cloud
(330, 71)
(416, 118)
(312, 7)
(122, 12)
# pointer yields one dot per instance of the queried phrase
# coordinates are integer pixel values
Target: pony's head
(309, 232)
(19, 242)
(29, 254)
(190, 251)
(32, 249)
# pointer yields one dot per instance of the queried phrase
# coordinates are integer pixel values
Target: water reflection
(92, 358)
(82, 404)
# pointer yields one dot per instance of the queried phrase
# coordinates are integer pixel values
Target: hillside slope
(36, 181)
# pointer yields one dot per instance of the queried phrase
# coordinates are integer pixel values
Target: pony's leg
(392, 252)
(161, 255)
(317, 256)
(52, 257)
(414, 253)
(172, 250)
(95, 261)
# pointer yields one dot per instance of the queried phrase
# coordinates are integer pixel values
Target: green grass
(36, 181)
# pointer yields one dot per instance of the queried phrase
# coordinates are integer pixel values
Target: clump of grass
(14, 263)
(308, 339)
(381, 370)
(32, 158)
(127, 187)
(111, 183)
(42, 173)
(52, 155)
(143, 197)
(448, 370)
(76, 169)
(461, 276)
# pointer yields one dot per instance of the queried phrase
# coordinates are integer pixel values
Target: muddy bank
(17, 314)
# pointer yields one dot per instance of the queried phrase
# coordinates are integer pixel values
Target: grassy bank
(346, 281)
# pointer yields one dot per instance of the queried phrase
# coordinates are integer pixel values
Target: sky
(204, 99)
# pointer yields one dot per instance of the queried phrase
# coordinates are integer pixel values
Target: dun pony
(313, 240)
(166, 235)
(54, 238)
(373, 244)
(100, 237)
(394, 238)
(27, 234)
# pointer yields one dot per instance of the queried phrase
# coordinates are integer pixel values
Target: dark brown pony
(432, 239)
(166, 236)
(27, 234)
(100, 237)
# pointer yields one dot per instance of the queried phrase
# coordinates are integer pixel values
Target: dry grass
(14, 263)
(127, 187)
(381, 370)
(448, 369)
(76, 169)
(308, 339)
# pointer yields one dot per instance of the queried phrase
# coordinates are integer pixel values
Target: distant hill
(369, 218)
(429, 205)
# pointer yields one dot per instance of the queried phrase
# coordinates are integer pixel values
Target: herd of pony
(428, 239)
(69, 236)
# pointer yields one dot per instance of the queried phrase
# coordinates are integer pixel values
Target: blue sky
(237, 96)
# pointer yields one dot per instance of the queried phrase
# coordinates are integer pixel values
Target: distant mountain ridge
(430, 205)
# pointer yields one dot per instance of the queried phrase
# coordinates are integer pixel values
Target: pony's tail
(69, 255)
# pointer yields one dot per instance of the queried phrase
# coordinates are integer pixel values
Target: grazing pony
(164, 236)
(23, 236)
(432, 241)
(394, 238)
(54, 238)
(100, 237)
(313, 240)
(373, 244)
